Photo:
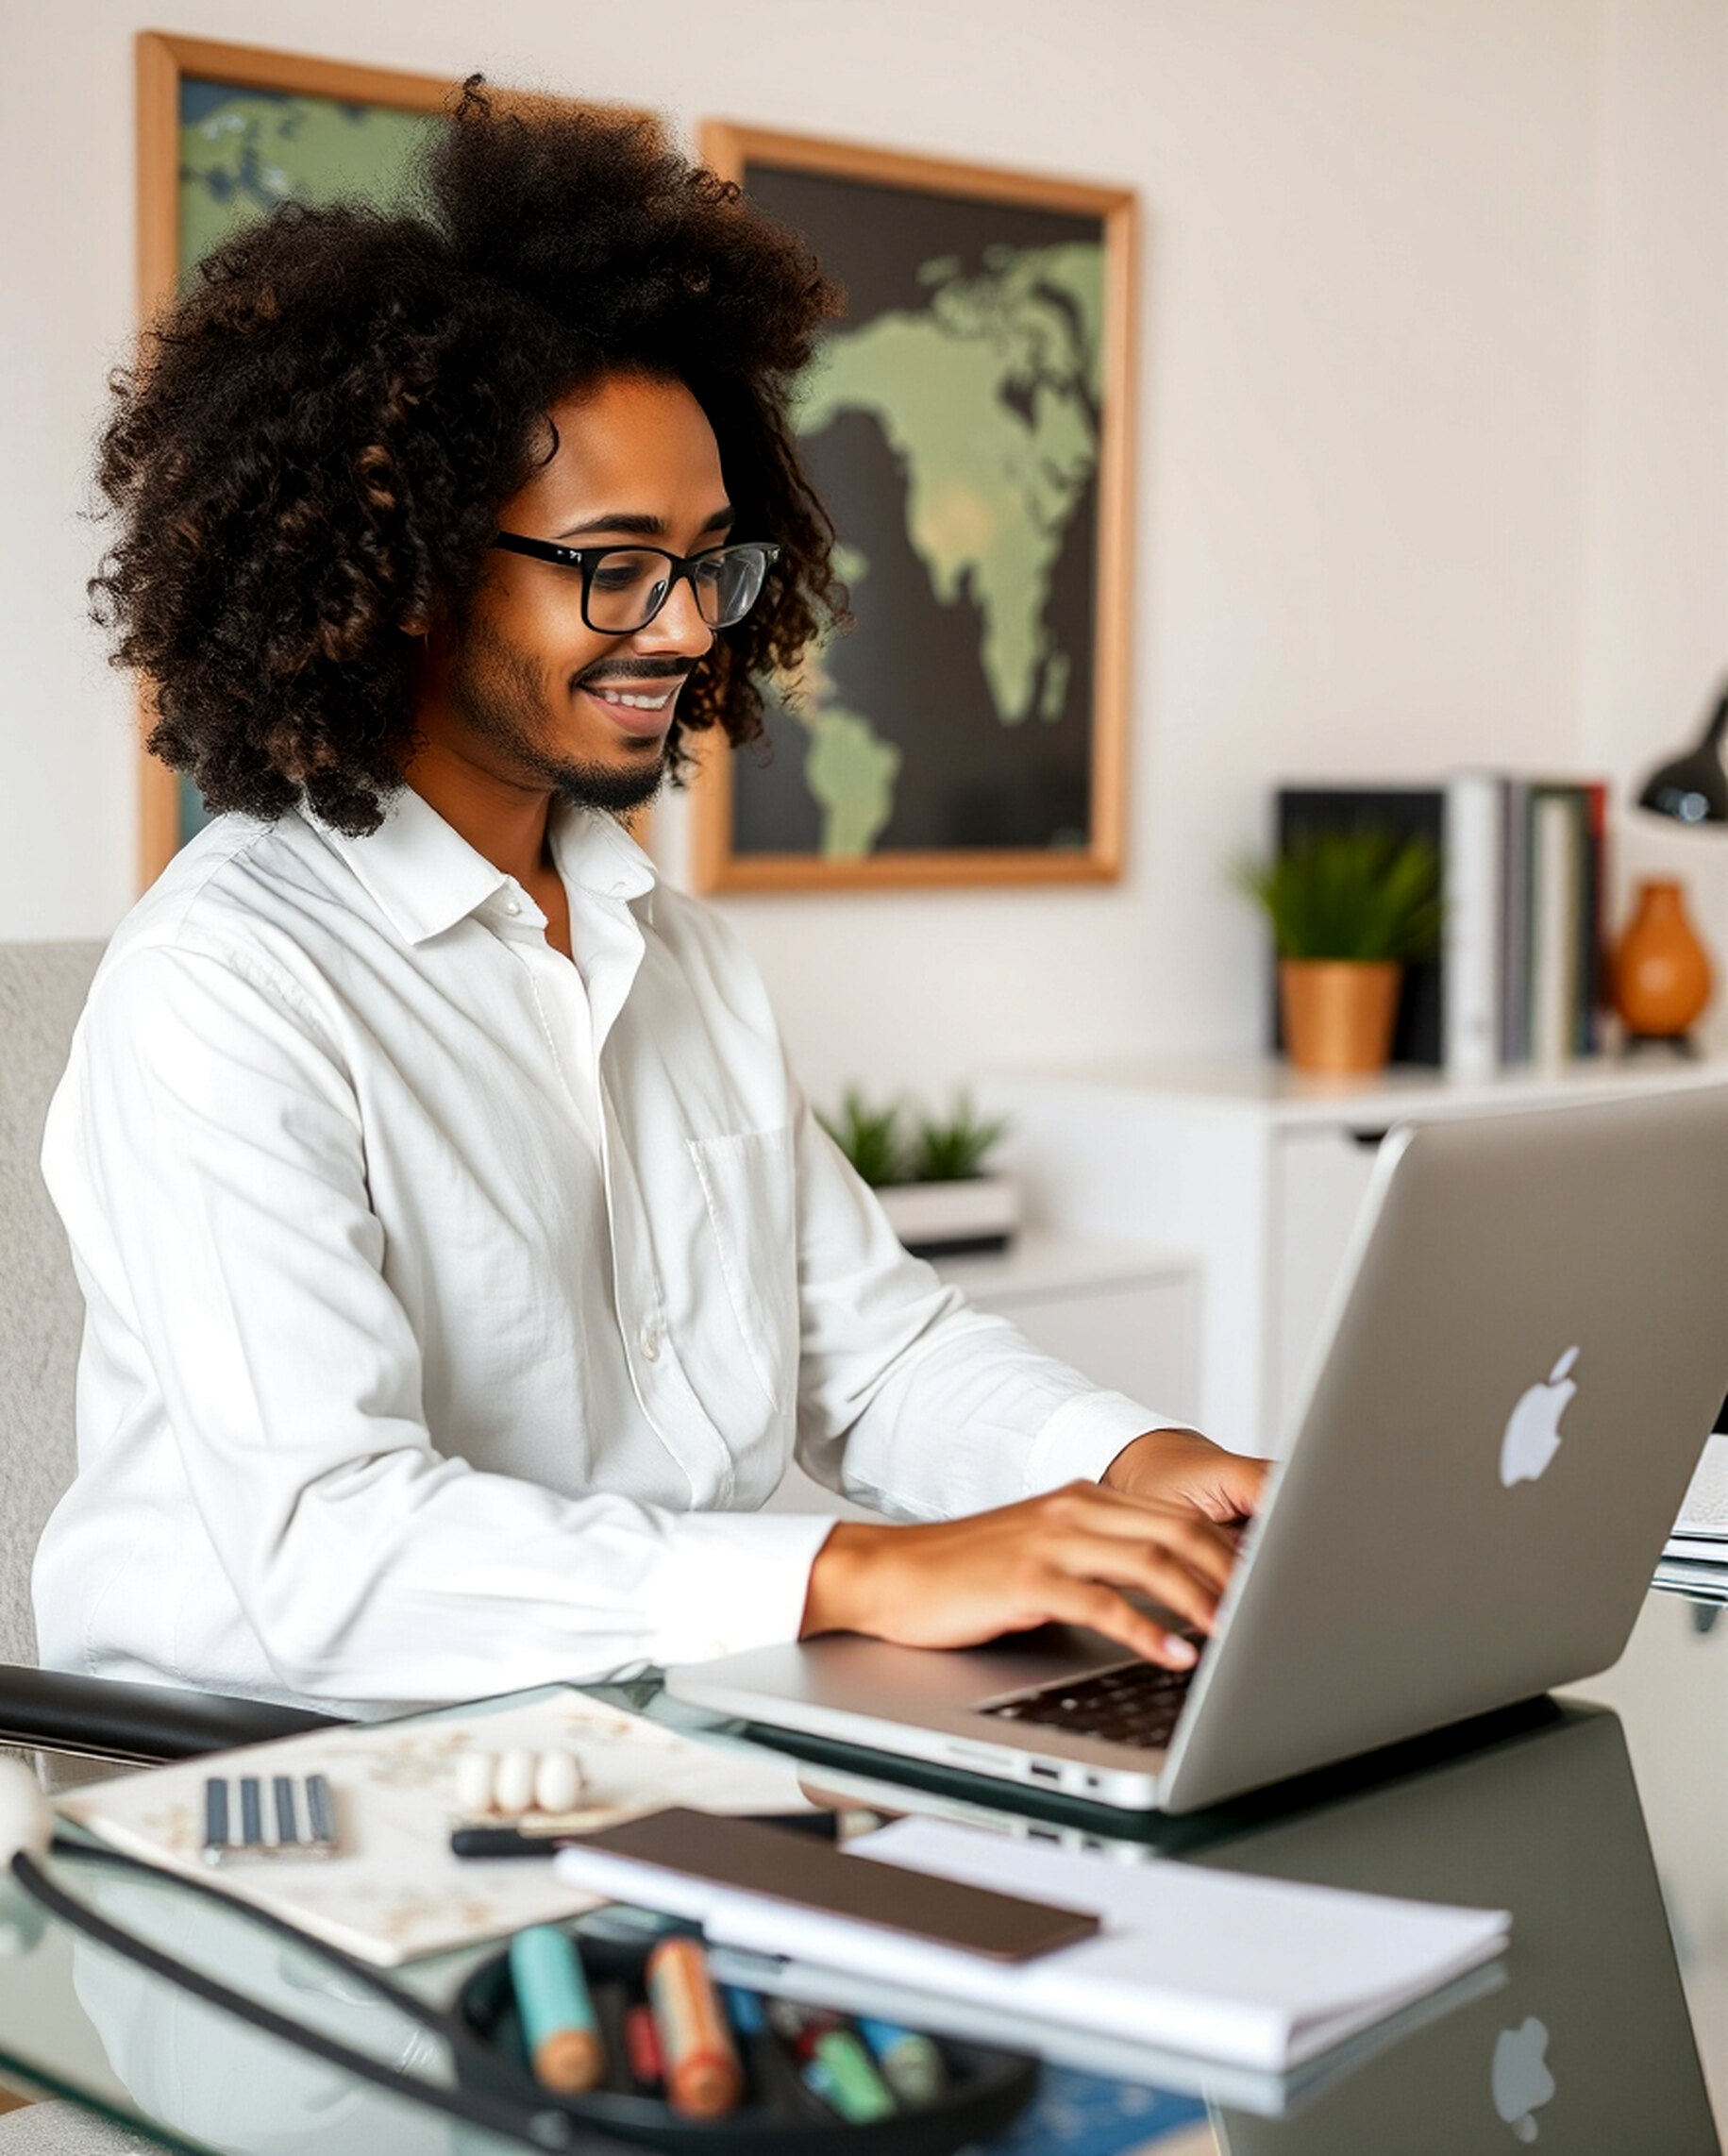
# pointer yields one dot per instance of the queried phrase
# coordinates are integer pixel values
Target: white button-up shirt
(453, 1307)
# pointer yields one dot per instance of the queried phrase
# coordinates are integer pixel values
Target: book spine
(1594, 955)
(1474, 866)
(1514, 924)
(1553, 942)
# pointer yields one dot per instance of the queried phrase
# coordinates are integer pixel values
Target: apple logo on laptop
(1533, 1430)
(1519, 2077)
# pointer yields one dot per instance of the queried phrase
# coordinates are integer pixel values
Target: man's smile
(656, 700)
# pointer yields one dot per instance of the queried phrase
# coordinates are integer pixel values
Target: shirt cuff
(731, 1580)
(1085, 1434)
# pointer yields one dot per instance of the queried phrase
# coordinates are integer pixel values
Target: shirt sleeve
(912, 1402)
(208, 1155)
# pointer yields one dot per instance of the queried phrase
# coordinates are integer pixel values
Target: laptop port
(1040, 1771)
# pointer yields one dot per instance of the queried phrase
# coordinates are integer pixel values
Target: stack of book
(1522, 974)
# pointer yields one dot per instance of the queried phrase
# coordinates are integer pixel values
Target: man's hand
(1179, 1466)
(1065, 1558)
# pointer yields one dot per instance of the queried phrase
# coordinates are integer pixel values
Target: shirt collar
(596, 851)
(426, 877)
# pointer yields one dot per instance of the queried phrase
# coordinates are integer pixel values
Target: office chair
(43, 986)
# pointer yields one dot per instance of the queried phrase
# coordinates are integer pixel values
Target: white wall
(1432, 465)
(1655, 639)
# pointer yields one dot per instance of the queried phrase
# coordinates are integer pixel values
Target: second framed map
(968, 422)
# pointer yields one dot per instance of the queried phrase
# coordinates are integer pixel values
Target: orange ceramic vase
(1338, 1012)
(1661, 970)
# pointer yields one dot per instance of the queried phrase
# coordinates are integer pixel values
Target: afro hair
(312, 449)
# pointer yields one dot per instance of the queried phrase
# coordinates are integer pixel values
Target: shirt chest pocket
(750, 1189)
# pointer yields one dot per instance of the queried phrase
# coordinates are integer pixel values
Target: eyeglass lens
(629, 585)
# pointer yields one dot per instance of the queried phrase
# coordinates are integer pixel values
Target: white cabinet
(1257, 1172)
(1124, 1315)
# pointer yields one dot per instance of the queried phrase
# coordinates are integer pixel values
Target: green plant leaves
(1358, 893)
(935, 1150)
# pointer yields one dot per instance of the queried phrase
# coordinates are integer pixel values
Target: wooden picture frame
(171, 72)
(970, 426)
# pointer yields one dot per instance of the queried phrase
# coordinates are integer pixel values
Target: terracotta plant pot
(1338, 1012)
(1661, 970)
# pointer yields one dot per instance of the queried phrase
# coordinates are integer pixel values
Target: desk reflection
(1585, 2048)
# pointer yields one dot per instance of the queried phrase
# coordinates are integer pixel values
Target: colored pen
(800, 2025)
(520, 1841)
(744, 2010)
(775, 2077)
(841, 2072)
(703, 2077)
(559, 2025)
(506, 1842)
(910, 2064)
(641, 2046)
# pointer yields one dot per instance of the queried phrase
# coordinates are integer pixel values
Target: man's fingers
(1239, 1485)
(1156, 1575)
(1205, 1545)
(1102, 1609)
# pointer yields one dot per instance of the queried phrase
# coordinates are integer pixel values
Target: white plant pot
(953, 1219)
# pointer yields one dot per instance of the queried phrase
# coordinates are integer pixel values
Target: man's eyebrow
(641, 526)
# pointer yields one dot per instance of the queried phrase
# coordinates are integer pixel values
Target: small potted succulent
(1349, 909)
(930, 1173)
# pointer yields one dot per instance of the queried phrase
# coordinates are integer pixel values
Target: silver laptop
(1524, 1354)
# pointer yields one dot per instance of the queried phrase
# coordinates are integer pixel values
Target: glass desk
(1599, 1821)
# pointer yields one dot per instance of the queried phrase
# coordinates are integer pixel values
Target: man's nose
(678, 625)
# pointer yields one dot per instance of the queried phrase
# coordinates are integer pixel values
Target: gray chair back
(43, 986)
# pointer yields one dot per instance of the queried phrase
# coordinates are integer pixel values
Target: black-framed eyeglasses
(625, 587)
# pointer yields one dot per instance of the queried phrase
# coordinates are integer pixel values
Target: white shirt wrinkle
(452, 1309)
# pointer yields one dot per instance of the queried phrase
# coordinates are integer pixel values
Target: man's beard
(495, 691)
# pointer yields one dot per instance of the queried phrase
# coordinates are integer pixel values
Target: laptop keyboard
(1136, 1705)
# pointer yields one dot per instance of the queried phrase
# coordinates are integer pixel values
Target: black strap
(540, 2127)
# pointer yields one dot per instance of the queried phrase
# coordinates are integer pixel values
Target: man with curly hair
(463, 1266)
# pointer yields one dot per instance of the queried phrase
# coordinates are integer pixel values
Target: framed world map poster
(967, 422)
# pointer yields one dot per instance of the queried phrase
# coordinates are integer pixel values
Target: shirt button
(649, 1337)
(511, 907)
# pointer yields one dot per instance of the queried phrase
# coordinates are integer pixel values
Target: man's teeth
(657, 702)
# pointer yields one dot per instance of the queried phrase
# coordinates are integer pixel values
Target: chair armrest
(143, 1724)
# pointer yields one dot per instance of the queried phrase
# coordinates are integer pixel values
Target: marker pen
(558, 2026)
(840, 2071)
(642, 2047)
(910, 2064)
(703, 2077)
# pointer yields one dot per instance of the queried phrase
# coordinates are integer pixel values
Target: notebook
(1263, 1974)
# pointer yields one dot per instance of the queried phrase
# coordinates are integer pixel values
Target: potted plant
(1349, 908)
(930, 1173)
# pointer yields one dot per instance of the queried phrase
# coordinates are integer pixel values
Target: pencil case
(984, 2089)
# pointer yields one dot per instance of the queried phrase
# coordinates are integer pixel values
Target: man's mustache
(635, 671)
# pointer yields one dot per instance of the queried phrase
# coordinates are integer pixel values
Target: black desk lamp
(1694, 787)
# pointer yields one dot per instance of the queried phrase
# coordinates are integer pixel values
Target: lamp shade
(1694, 787)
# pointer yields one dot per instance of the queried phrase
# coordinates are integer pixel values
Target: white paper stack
(1474, 871)
(1696, 1559)
(1254, 1973)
